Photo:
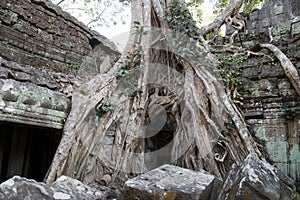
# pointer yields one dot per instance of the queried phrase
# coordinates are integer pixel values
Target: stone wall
(40, 34)
(271, 105)
(280, 16)
(43, 53)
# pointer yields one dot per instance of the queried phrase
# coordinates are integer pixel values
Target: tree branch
(232, 9)
(60, 2)
(98, 16)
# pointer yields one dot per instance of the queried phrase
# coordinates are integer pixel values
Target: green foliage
(4, 43)
(229, 125)
(131, 63)
(63, 118)
(108, 107)
(291, 111)
(196, 9)
(250, 5)
(98, 114)
(199, 2)
(220, 5)
(181, 20)
(25, 36)
(133, 59)
(122, 73)
(105, 108)
(230, 70)
(247, 7)
(76, 66)
(51, 21)
(72, 66)
(138, 28)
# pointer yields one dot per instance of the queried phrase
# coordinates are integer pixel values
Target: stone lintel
(30, 104)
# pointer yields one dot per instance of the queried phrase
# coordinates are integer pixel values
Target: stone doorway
(26, 150)
(159, 146)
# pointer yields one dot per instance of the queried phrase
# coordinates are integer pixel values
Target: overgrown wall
(271, 105)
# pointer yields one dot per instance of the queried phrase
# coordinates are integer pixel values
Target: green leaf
(126, 72)
(50, 21)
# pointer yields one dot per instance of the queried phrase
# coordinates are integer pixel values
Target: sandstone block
(172, 182)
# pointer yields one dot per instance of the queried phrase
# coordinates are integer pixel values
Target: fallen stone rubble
(19, 188)
(252, 179)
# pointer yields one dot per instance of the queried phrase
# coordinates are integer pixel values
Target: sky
(120, 32)
(113, 31)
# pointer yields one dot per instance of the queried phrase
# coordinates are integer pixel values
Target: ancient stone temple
(43, 51)
(45, 54)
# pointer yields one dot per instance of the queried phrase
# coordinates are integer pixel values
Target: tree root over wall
(117, 107)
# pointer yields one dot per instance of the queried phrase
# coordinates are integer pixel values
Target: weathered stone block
(278, 8)
(21, 76)
(295, 26)
(4, 72)
(255, 179)
(172, 182)
(64, 188)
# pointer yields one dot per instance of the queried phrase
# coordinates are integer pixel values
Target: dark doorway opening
(158, 146)
(26, 150)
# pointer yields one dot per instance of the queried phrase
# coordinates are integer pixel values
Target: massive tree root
(156, 80)
(288, 67)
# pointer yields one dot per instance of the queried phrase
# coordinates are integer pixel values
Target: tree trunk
(161, 101)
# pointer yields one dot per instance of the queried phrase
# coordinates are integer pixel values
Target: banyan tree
(163, 101)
